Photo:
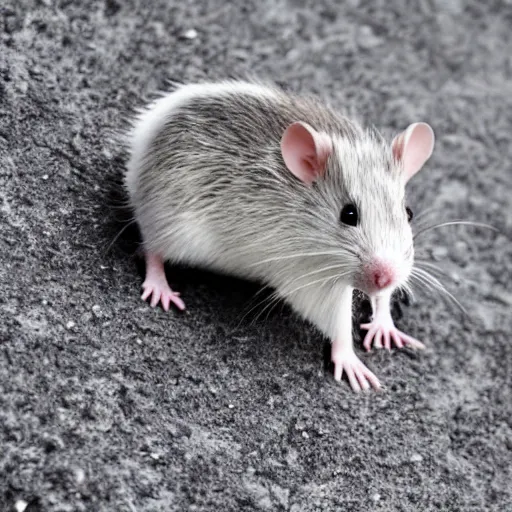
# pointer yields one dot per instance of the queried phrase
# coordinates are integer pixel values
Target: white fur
(152, 119)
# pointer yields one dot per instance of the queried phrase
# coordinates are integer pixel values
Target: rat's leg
(342, 352)
(382, 329)
(156, 286)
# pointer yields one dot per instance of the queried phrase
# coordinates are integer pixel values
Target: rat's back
(194, 111)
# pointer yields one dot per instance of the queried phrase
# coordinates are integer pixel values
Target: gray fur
(212, 189)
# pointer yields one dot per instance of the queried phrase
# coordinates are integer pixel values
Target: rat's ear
(305, 151)
(414, 147)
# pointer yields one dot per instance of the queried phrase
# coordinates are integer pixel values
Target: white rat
(245, 179)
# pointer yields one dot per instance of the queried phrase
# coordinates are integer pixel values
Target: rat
(246, 179)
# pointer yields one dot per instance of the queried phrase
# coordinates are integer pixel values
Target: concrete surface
(107, 405)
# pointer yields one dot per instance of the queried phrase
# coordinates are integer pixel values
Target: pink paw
(359, 376)
(386, 332)
(161, 292)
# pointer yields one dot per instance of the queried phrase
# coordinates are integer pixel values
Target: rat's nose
(382, 278)
(381, 274)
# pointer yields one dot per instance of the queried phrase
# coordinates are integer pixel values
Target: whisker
(424, 213)
(311, 283)
(429, 279)
(279, 296)
(291, 243)
(324, 269)
(407, 289)
(425, 283)
(261, 290)
(122, 230)
(340, 266)
(427, 264)
(274, 300)
(121, 205)
(299, 255)
(422, 280)
(456, 223)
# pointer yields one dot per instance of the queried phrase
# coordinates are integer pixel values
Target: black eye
(410, 215)
(349, 215)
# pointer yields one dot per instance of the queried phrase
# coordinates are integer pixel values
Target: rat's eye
(349, 215)
(410, 215)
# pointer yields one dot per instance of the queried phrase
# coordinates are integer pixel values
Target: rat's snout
(380, 274)
(382, 277)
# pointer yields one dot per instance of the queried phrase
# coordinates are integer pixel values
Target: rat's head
(359, 184)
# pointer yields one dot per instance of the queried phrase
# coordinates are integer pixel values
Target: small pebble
(231, 406)
(20, 505)
(79, 476)
(305, 435)
(190, 34)
(376, 497)
(439, 253)
(70, 324)
(155, 456)
(456, 277)
(22, 86)
(416, 457)
(367, 39)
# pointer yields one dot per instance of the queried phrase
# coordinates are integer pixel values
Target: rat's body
(248, 180)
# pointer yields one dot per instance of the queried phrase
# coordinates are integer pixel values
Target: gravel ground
(108, 405)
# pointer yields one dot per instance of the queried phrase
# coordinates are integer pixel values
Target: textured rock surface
(107, 405)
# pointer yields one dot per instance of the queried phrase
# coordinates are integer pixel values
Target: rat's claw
(362, 378)
(161, 293)
(354, 384)
(388, 332)
(175, 299)
(358, 375)
(387, 340)
(338, 371)
(165, 300)
(377, 340)
(146, 293)
(367, 343)
(396, 339)
(409, 340)
(155, 298)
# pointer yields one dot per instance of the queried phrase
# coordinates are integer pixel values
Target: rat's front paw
(385, 332)
(359, 376)
(161, 292)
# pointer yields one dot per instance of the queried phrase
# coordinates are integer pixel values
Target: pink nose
(381, 275)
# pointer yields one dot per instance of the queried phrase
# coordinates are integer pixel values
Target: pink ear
(305, 151)
(414, 147)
